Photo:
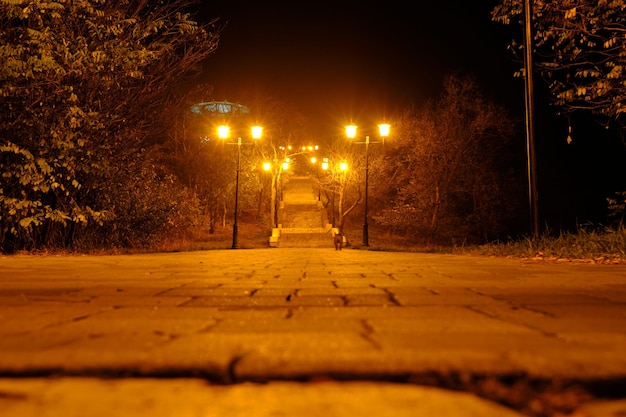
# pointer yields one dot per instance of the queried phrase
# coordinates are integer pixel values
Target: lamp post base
(366, 238)
(235, 243)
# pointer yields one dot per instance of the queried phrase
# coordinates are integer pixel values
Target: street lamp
(223, 132)
(383, 131)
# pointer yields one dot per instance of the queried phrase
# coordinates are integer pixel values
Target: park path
(194, 333)
(304, 221)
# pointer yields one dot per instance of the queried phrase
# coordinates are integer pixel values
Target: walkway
(330, 333)
(303, 221)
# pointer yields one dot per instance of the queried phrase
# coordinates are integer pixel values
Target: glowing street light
(223, 132)
(351, 131)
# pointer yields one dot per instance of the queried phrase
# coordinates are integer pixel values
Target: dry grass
(604, 246)
(599, 246)
(250, 235)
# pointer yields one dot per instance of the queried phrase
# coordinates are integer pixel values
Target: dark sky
(359, 60)
(354, 59)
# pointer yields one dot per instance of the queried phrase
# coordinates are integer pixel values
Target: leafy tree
(341, 181)
(446, 167)
(580, 50)
(82, 87)
(283, 132)
(617, 207)
(196, 156)
(207, 165)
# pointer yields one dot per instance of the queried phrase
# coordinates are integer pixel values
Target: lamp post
(223, 132)
(530, 127)
(383, 130)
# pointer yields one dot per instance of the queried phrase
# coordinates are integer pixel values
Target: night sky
(353, 60)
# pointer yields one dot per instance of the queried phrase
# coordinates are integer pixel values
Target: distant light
(351, 131)
(257, 131)
(324, 165)
(285, 166)
(267, 166)
(343, 166)
(384, 129)
(223, 132)
(313, 160)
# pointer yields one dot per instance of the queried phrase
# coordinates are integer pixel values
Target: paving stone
(275, 314)
(194, 398)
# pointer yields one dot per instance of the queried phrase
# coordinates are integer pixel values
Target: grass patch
(605, 245)
(250, 235)
(597, 245)
(602, 246)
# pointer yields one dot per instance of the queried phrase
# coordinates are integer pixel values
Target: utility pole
(530, 128)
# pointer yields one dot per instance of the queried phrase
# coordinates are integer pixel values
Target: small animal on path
(338, 240)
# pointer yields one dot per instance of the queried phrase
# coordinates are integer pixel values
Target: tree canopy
(580, 49)
(449, 168)
(82, 87)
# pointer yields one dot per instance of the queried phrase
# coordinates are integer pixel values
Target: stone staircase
(303, 220)
(298, 237)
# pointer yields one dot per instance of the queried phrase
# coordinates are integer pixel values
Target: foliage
(448, 169)
(617, 207)
(283, 133)
(207, 165)
(153, 203)
(82, 86)
(581, 51)
(341, 182)
(606, 245)
(196, 157)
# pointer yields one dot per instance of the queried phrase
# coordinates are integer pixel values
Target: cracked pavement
(310, 331)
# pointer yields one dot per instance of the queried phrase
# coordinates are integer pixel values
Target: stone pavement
(280, 332)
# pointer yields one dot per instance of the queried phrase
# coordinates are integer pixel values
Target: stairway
(303, 218)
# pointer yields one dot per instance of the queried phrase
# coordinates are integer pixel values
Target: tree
(205, 165)
(446, 167)
(580, 51)
(283, 132)
(340, 181)
(82, 88)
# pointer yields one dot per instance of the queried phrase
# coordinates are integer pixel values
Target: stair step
(302, 207)
(304, 230)
(305, 240)
(303, 218)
